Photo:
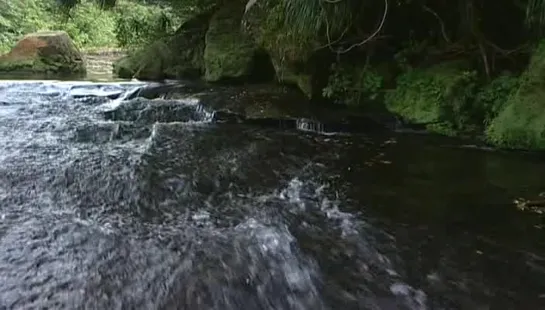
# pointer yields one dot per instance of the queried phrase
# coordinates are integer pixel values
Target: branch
(374, 34)
(441, 23)
(502, 51)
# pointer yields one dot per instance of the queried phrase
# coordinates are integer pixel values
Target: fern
(316, 17)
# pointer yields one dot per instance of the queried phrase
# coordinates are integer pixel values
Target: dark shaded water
(160, 207)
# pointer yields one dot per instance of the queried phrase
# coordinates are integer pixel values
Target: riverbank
(459, 79)
(450, 82)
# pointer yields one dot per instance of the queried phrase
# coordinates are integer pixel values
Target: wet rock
(257, 101)
(44, 53)
(262, 105)
(173, 90)
(107, 132)
(165, 111)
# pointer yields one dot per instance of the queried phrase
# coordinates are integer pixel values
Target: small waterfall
(304, 124)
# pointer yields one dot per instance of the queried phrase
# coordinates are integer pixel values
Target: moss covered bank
(447, 74)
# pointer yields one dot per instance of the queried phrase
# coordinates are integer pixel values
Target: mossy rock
(149, 63)
(50, 53)
(291, 54)
(521, 122)
(176, 57)
(440, 97)
(229, 53)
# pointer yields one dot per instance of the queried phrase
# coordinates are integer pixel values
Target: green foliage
(492, 97)
(411, 49)
(440, 96)
(20, 17)
(90, 23)
(521, 123)
(277, 36)
(318, 17)
(352, 85)
(70, 4)
(137, 24)
(89, 26)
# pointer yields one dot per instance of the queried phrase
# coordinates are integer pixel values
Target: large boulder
(229, 53)
(176, 57)
(44, 53)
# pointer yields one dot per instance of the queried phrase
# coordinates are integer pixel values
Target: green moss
(179, 56)
(228, 53)
(290, 51)
(441, 96)
(146, 64)
(521, 122)
(491, 98)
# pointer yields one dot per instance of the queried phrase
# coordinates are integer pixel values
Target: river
(159, 206)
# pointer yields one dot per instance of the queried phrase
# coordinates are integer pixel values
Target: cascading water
(113, 201)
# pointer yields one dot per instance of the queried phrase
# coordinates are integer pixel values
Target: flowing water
(110, 201)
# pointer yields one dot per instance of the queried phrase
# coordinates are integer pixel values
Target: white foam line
(56, 82)
(110, 105)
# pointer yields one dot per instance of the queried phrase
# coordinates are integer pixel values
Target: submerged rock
(44, 53)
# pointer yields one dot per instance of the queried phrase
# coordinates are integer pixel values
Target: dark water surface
(156, 206)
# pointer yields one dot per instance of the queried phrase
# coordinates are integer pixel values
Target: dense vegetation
(91, 23)
(461, 67)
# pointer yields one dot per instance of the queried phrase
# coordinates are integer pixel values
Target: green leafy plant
(353, 85)
(20, 17)
(492, 97)
(441, 97)
(90, 23)
(141, 24)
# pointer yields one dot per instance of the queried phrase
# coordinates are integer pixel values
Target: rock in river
(51, 53)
